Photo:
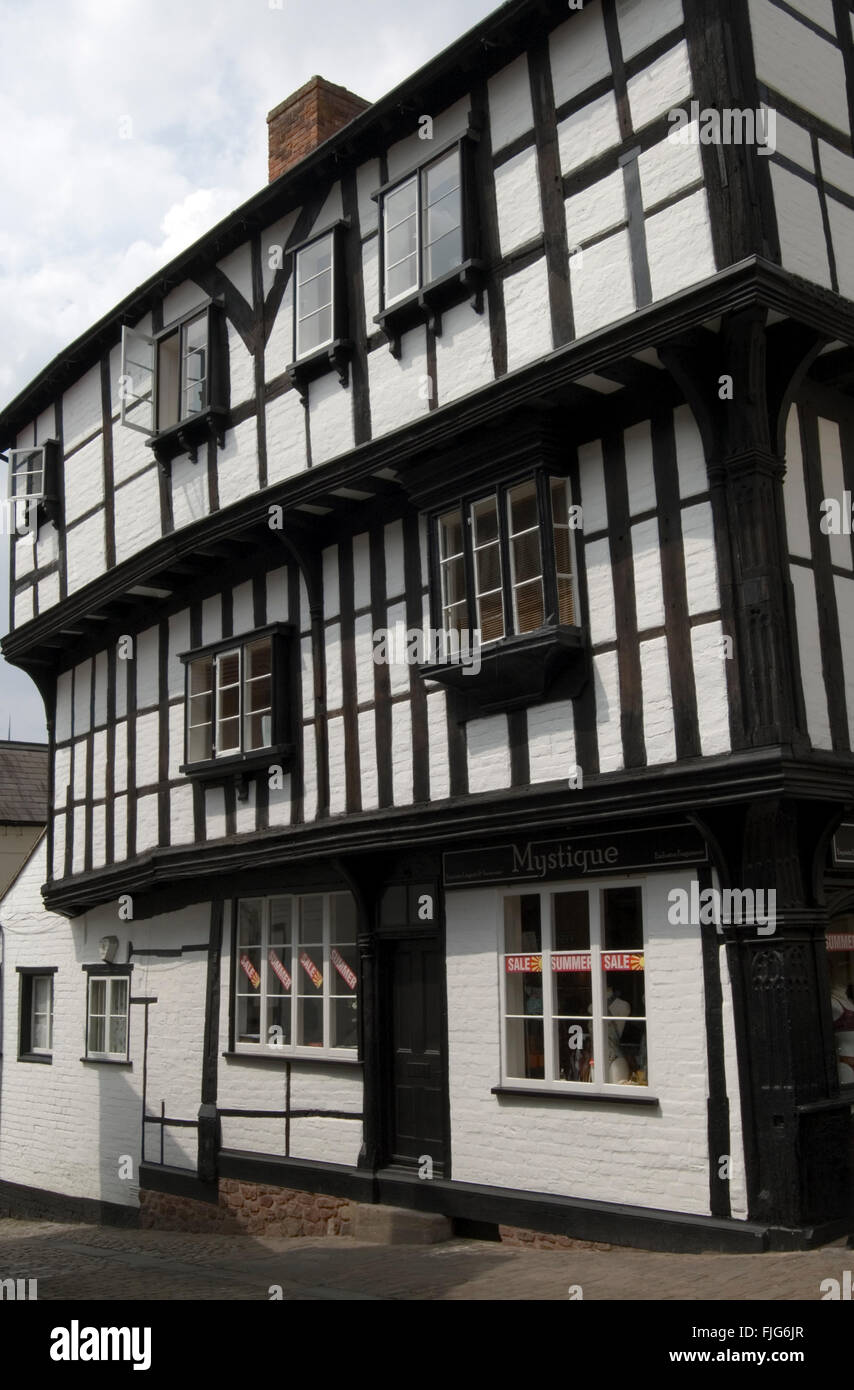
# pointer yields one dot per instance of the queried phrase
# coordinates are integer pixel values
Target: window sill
(108, 1062)
(427, 304)
(46, 1058)
(335, 356)
(240, 767)
(631, 1095)
(517, 670)
(280, 1056)
(188, 435)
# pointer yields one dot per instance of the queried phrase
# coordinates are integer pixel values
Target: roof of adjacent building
(23, 783)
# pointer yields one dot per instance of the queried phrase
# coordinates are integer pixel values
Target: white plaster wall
(602, 284)
(551, 741)
(81, 408)
(488, 749)
(137, 514)
(237, 464)
(579, 53)
(642, 22)
(463, 352)
(794, 60)
(66, 1127)
(606, 685)
(794, 493)
(652, 1158)
(84, 479)
(510, 110)
(286, 452)
(707, 650)
(802, 243)
(526, 310)
(85, 553)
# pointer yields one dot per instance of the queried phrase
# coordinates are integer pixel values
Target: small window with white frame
(170, 378)
(33, 482)
(296, 969)
(107, 1016)
(35, 1041)
(314, 295)
(573, 994)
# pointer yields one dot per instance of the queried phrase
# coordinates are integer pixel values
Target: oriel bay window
(505, 560)
(296, 974)
(235, 706)
(573, 989)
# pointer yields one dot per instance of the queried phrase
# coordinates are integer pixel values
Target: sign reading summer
(576, 856)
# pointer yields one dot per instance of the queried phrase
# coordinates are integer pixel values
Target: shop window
(236, 713)
(35, 1015)
(107, 1013)
(840, 961)
(573, 988)
(296, 973)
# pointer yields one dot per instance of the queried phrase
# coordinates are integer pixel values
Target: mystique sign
(577, 856)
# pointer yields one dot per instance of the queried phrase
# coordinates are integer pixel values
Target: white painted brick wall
(646, 558)
(237, 464)
(690, 457)
(602, 283)
(710, 684)
(517, 197)
(463, 352)
(658, 726)
(794, 60)
(437, 737)
(642, 22)
(85, 552)
(668, 236)
(368, 760)
(331, 406)
(488, 748)
(510, 111)
(190, 493)
(526, 309)
(401, 753)
(399, 387)
(606, 684)
(337, 768)
(83, 479)
(137, 514)
(286, 454)
(661, 85)
(801, 228)
(551, 741)
(81, 408)
(600, 592)
(579, 53)
(639, 473)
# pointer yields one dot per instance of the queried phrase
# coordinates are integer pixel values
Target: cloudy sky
(129, 129)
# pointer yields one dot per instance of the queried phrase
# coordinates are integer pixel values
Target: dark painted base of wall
(531, 1218)
(35, 1203)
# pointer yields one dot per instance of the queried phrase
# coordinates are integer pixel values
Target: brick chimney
(305, 119)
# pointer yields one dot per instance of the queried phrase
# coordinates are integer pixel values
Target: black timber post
(210, 1129)
(796, 1127)
(363, 886)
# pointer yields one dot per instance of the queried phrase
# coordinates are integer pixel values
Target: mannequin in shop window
(842, 1009)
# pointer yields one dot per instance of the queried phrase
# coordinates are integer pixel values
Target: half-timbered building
(448, 649)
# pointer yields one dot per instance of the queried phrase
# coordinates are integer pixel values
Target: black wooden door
(416, 1073)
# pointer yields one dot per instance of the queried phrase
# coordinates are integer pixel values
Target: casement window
(505, 561)
(296, 975)
(174, 382)
(235, 705)
(422, 221)
(108, 1002)
(429, 241)
(573, 996)
(320, 309)
(35, 1037)
(33, 484)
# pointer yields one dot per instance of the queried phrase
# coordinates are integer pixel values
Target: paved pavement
(99, 1262)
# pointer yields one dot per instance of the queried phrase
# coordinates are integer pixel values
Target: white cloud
(87, 215)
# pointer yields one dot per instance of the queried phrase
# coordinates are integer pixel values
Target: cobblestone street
(80, 1262)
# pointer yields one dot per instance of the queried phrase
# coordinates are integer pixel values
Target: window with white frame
(36, 1015)
(230, 699)
(422, 221)
(314, 296)
(32, 482)
(573, 992)
(296, 974)
(166, 378)
(505, 560)
(107, 1017)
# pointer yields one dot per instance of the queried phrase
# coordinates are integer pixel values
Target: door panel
(417, 1062)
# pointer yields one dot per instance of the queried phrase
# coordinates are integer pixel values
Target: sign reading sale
(311, 969)
(249, 968)
(527, 964)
